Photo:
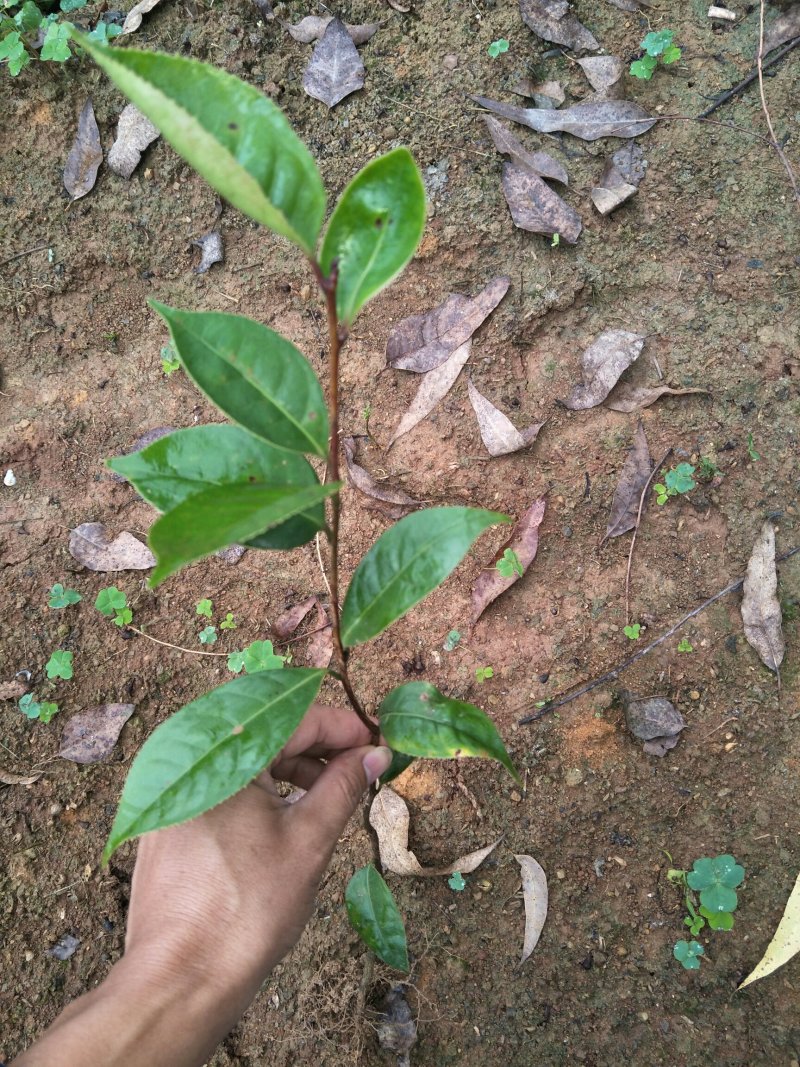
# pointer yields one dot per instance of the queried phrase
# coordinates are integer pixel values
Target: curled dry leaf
(761, 609)
(335, 69)
(524, 541)
(603, 72)
(654, 720)
(627, 398)
(589, 121)
(536, 208)
(12, 690)
(548, 94)
(636, 470)
(435, 385)
(397, 1031)
(90, 735)
(92, 545)
(133, 19)
(287, 622)
(534, 892)
(85, 156)
(422, 342)
(389, 818)
(602, 363)
(320, 647)
(785, 942)
(551, 20)
(612, 190)
(365, 483)
(134, 133)
(540, 163)
(212, 251)
(498, 433)
(9, 778)
(312, 27)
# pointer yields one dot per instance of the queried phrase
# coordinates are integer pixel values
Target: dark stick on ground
(729, 94)
(609, 676)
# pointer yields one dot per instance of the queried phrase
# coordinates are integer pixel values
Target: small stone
(574, 776)
(515, 797)
(305, 292)
(450, 62)
(567, 531)
(622, 951)
(28, 955)
(694, 695)
(9, 479)
(561, 875)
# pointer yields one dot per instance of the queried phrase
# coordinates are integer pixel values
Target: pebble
(515, 797)
(305, 292)
(574, 776)
(694, 695)
(561, 875)
(450, 62)
(567, 531)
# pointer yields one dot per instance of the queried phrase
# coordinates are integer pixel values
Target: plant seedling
(497, 47)
(208, 635)
(751, 449)
(509, 565)
(456, 882)
(228, 622)
(59, 665)
(483, 673)
(204, 607)
(60, 597)
(113, 603)
(249, 481)
(26, 30)
(685, 645)
(707, 469)
(169, 361)
(688, 954)
(715, 881)
(451, 640)
(44, 712)
(677, 480)
(657, 45)
(633, 631)
(555, 240)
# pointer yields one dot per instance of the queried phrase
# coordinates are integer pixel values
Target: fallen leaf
(65, 948)
(399, 5)
(551, 20)
(627, 398)
(524, 541)
(389, 818)
(231, 555)
(335, 69)
(397, 1031)
(434, 386)
(612, 190)
(85, 156)
(92, 545)
(783, 29)
(589, 121)
(265, 9)
(12, 690)
(630, 162)
(289, 620)
(90, 735)
(422, 342)
(320, 647)
(9, 778)
(654, 720)
(785, 942)
(312, 27)
(498, 433)
(636, 470)
(629, 5)
(602, 71)
(761, 609)
(544, 94)
(534, 892)
(365, 483)
(134, 133)
(536, 207)
(133, 19)
(212, 251)
(540, 163)
(602, 363)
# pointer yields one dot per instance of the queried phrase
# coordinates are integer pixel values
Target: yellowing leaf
(785, 942)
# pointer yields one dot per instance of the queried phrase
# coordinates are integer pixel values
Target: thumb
(334, 796)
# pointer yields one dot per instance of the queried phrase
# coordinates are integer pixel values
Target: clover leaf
(687, 953)
(716, 880)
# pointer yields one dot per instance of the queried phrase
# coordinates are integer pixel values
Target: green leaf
(671, 54)
(230, 132)
(717, 920)
(679, 479)
(373, 913)
(406, 563)
(56, 43)
(208, 635)
(13, 49)
(204, 607)
(254, 375)
(222, 516)
(61, 597)
(509, 565)
(236, 662)
(400, 761)
(111, 600)
(59, 665)
(34, 710)
(657, 41)
(123, 617)
(183, 464)
(374, 229)
(46, 711)
(716, 880)
(72, 5)
(482, 673)
(259, 656)
(456, 882)
(228, 623)
(420, 721)
(210, 749)
(688, 953)
(451, 640)
(644, 67)
(633, 631)
(28, 18)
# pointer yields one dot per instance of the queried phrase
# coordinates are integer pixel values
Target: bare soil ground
(703, 260)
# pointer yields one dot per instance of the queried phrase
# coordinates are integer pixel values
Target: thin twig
(653, 472)
(178, 648)
(26, 252)
(615, 673)
(729, 94)
(781, 154)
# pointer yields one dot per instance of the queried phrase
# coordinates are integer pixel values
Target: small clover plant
(59, 665)
(496, 48)
(169, 361)
(657, 46)
(208, 635)
(483, 673)
(31, 707)
(678, 480)
(113, 603)
(228, 623)
(259, 656)
(456, 882)
(25, 31)
(509, 565)
(452, 640)
(59, 597)
(688, 954)
(633, 631)
(709, 896)
(685, 645)
(204, 607)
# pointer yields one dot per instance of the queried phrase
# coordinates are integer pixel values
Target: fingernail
(376, 762)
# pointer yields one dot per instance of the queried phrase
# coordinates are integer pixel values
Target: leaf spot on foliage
(238, 729)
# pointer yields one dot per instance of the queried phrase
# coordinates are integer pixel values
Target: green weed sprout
(204, 607)
(31, 707)
(509, 565)
(688, 954)
(751, 449)
(451, 640)
(685, 645)
(714, 881)
(59, 665)
(497, 47)
(59, 597)
(657, 45)
(482, 674)
(677, 481)
(228, 623)
(633, 631)
(259, 656)
(208, 635)
(169, 361)
(113, 603)
(456, 882)
(23, 23)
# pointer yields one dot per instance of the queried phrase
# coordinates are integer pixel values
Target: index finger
(326, 730)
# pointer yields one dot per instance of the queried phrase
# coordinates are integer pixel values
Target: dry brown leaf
(636, 470)
(536, 207)
(435, 385)
(630, 162)
(395, 1026)
(289, 620)
(534, 892)
(312, 27)
(389, 818)
(133, 19)
(785, 941)
(783, 29)
(761, 609)
(602, 363)
(92, 545)
(540, 163)
(544, 94)
(9, 778)
(85, 156)
(627, 398)
(320, 647)
(134, 133)
(630, 5)
(335, 69)
(421, 343)
(498, 433)
(612, 191)
(589, 121)
(524, 541)
(90, 735)
(602, 71)
(12, 690)
(365, 483)
(551, 20)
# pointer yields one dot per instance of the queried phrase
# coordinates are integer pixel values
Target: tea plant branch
(781, 154)
(609, 676)
(657, 467)
(736, 90)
